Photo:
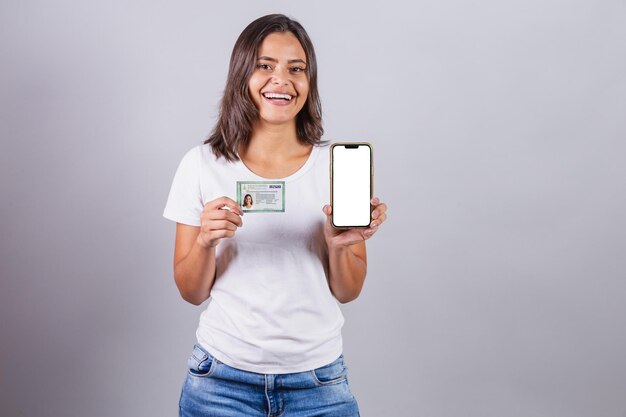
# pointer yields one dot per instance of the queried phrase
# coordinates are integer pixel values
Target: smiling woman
(269, 341)
(279, 86)
(251, 58)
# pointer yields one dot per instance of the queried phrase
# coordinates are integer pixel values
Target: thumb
(327, 209)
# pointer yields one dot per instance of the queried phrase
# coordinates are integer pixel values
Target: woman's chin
(278, 120)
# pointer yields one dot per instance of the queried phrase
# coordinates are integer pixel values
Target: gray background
(495, 289)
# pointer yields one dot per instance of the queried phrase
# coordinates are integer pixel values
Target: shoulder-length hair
(237, 110)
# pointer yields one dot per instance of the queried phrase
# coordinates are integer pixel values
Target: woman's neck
(273, 143)
(274, 151)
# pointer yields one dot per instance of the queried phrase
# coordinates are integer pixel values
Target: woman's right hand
(220, 219)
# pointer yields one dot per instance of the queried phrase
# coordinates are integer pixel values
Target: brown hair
(237, 110)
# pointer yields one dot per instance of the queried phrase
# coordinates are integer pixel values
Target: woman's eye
(264, 66)
(297, 69)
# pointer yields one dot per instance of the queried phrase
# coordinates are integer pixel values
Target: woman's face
(248, 200)
(279, 85)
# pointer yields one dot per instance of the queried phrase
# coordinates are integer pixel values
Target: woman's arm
(347, 260)
(347, 269)
(194, 252)
(194, 265)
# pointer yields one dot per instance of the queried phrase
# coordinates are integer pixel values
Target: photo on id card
(261, 196)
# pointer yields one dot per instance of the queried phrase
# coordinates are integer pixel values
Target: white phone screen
(351, 185)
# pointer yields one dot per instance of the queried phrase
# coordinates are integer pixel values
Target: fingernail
(374, 214)
(374, 225)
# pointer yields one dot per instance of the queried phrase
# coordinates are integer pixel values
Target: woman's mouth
(278, 99)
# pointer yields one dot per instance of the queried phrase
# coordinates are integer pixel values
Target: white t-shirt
(270, 310)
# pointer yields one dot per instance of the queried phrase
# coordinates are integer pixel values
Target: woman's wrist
(204, 245)
(334, 245)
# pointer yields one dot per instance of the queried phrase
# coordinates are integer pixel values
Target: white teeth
(277, 95)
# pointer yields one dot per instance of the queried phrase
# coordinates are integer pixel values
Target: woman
(269, 341)
(247, 201)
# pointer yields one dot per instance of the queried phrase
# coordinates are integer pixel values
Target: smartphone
(351, 184)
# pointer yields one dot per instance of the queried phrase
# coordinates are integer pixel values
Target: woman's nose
(279, 77)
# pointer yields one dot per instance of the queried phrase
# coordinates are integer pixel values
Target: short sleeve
(184, 203)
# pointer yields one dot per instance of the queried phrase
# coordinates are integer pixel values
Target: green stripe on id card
(261, 196)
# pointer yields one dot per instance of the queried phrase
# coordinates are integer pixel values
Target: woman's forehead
(281, 46)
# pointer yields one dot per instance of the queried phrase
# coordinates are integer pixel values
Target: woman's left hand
(347, 237)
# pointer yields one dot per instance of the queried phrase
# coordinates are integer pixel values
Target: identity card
(261, 196)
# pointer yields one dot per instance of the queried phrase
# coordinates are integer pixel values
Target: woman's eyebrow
(291, 61)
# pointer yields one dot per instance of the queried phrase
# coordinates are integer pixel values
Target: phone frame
(351, 144)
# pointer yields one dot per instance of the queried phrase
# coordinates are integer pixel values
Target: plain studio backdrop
(496, 288)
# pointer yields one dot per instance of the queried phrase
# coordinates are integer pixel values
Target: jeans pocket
(201, 363)
(333, 373)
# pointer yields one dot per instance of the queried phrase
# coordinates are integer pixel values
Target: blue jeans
(215, 389)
